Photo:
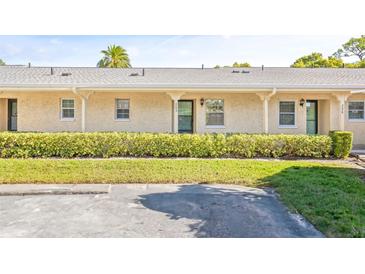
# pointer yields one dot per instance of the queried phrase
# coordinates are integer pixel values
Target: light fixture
(201, 101)
(302, 102)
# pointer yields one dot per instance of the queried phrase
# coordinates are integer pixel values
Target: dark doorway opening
(312, 116)
(12, 114)
(186, 116)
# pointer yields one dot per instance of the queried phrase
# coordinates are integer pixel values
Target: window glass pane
(122, 114)
(185, 108)
(215, 119)
(356, 114)
(68, 103)
(287, 106)
(68, 113)
(214, 112)
(214, 105)
(122, 104)
(356, 105)
(287, 119)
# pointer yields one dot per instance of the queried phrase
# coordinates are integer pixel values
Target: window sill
(122, 120)
(288, 127)
(215, 127)
(67, 119)
(356, 120)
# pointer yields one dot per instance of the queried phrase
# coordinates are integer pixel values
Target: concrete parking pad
(152, 211)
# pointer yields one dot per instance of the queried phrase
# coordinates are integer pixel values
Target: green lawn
(330, 196)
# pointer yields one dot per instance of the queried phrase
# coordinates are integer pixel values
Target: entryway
(186, 116)
(12, 114)
(312, 116)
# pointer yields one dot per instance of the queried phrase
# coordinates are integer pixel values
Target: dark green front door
(186, 116)
(312, 116)
(12, 114)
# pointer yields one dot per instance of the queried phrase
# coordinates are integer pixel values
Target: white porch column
(341, 98)
(175, 96)
(265, 98)
(84, 96)
(83, 113)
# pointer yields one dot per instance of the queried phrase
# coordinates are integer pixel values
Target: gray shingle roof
(342, 78)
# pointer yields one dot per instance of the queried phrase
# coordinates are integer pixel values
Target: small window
(67, 109)
(287, 114)
(356, 110)
(214, 112)
(122, 109)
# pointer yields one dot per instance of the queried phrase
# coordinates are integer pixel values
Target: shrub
(122, 144)
(341, 143)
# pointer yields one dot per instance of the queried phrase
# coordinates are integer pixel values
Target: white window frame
(348, 111)
(67, 119)
(224, 114)
(115, 110)
(295, 114)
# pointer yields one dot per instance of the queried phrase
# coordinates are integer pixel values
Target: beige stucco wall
(357, 127)
(3, 114)
(242, 112)
(148, 112)
(152, 112)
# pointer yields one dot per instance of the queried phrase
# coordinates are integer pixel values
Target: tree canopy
(353, 47)
(114, 57)
(241, 65)
(2, 63)
(316, 60)
(236, 65)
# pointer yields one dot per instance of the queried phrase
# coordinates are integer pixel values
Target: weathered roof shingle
(341, 78)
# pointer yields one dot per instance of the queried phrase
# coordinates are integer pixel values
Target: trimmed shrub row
(341, 143)
(121, 144)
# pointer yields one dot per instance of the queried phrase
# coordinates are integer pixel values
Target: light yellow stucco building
(227, 100)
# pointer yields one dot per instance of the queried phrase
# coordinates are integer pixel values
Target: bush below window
(121, 144)
(341, 143)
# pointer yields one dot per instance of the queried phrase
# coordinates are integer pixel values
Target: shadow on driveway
(229, 211)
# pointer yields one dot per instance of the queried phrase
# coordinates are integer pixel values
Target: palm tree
(114, 57)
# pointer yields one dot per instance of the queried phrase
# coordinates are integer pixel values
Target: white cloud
(133, 51)
(184, 52)
(55, 41)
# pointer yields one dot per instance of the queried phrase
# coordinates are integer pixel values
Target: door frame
(192, 114)
(316, 110)
(10, 101)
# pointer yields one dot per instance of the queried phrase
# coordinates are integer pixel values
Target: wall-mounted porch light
(201, 101)
(302, 102)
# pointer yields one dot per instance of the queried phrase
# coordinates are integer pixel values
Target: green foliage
(359, 64)
(353, 47)
(2, 63)
(241, 65)
(316, 60)
(341, 143)
(121, 144)
(114, 57)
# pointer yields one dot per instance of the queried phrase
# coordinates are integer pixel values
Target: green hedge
(341, 143)
(121, 144)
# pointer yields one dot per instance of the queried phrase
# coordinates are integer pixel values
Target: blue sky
(166, 51)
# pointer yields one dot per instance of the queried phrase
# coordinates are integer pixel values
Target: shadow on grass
(216, 211)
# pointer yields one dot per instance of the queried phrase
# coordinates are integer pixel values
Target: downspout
(84, 99)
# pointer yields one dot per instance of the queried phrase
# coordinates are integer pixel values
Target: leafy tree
(316, 60)
(2, 63)
(114, 57)
(217, 66)
(353, 47)
(359, 64)
(241, 65)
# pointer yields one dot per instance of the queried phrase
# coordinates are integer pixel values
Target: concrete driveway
(147, 211)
